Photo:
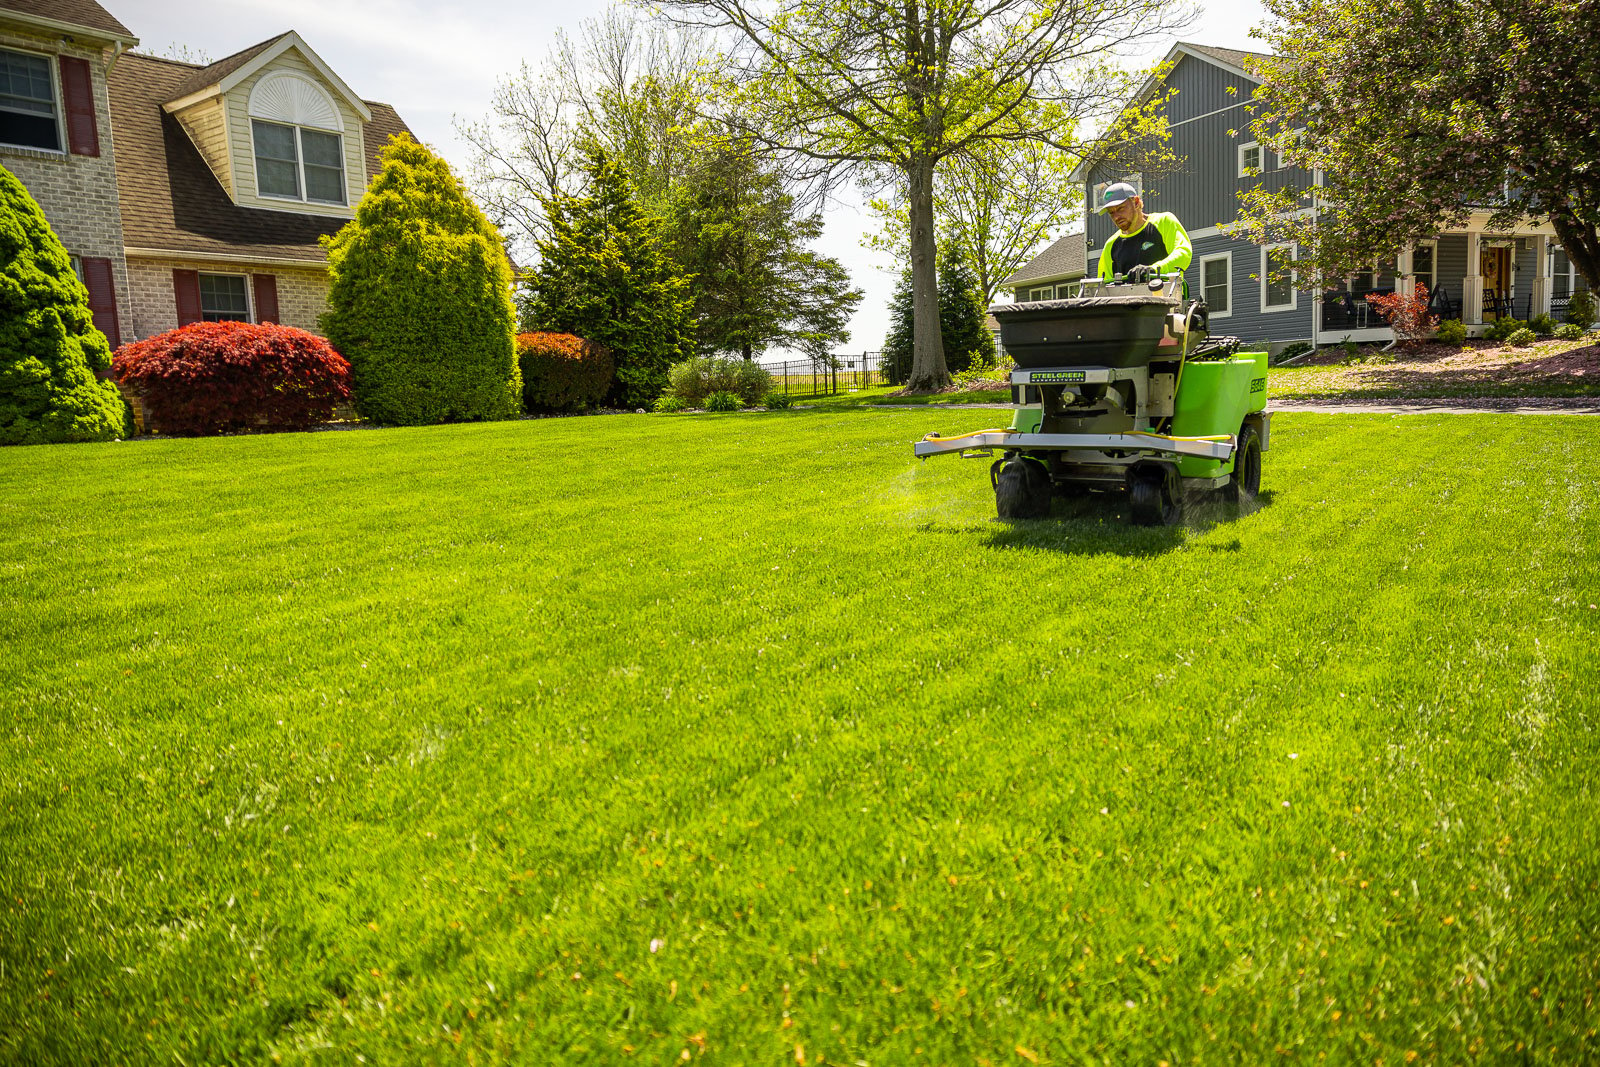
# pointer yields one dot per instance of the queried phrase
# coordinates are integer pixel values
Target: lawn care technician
(1147, 244)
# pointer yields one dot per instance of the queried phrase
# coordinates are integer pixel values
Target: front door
(1495, 266)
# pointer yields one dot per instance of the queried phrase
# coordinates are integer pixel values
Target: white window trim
(1432, 243)
(249, 291)
(1226, 257)
(1261, 157)
(300, 166)
(1294, 293)
(58, 97)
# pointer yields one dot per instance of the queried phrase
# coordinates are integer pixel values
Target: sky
(436, 61)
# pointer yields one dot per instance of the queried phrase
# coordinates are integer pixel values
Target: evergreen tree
(604, 275)
(49, 347)
(967, 340)
(898, 346)
(736, 231)
(420, 302)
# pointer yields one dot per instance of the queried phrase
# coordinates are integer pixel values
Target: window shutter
(186, 287)
(266, 286)
(102, 285)
(77, 90)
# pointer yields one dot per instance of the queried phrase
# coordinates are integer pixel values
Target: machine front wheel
(1153, 497)
(1021, 489)
(1246, 481)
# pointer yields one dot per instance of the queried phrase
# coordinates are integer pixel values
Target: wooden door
(1495, 266)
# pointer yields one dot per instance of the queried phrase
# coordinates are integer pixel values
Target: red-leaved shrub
(209, 377)
(561, 372)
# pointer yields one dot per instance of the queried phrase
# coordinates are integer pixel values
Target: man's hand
(1143, 272)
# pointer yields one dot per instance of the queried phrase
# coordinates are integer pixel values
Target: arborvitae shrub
(210, 377)
(420, 300)
(561, 372)
(49, 347)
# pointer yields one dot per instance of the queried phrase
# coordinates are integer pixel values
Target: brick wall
(78, 193)
(302, 293)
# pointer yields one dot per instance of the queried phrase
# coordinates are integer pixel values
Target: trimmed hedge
(209, 377)
(49, 347)
(562, 372)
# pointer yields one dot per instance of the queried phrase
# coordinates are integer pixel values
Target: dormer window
(295, 163)
(299, 148)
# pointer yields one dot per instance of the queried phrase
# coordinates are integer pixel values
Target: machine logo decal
(1057, 376)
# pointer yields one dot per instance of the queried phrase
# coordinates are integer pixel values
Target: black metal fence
(837, 374)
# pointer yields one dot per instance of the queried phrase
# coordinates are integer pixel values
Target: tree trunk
(1581, 242)
(928, 369)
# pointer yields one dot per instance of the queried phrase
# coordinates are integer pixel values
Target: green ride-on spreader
(1121, 390)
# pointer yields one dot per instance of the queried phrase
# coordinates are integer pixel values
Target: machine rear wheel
(1153, 498)
(1021, 490)
(1246, 481)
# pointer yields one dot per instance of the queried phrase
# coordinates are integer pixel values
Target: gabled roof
(71, 16)
(170, 198)
(1064, 258)
(225, 73)
(1230, 59)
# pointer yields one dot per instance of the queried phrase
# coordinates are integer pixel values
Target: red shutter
(77, 89)
(266, 286)
(102, 285)
(186, 286)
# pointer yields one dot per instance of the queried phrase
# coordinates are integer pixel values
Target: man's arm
(1177, 239)
(1104, 270)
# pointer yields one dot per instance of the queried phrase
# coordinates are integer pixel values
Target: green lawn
(748, 738)
(878, 396)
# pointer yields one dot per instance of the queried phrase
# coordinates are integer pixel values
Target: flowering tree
(1418, 115)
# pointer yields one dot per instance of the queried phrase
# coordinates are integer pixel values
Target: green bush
(667, 404)
(1581, 310)
(420, 300)
(1543, 325)
(722, 400)
(1521, 337)
(561, 372)
(1351, 349)
(695, 379)
(1502, 329)
(1568, 331)
(1451, 332)
(1290, 351)
(775, 401)
(49, 347)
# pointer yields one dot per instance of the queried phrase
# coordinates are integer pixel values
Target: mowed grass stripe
(701, 676)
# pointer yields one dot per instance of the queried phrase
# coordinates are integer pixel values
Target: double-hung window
(29, 116)
(1422, 264)
(1277, 282)
(223, 298)
(1216, 284)
(296, 163)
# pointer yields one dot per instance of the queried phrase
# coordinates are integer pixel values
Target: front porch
(1472, 274)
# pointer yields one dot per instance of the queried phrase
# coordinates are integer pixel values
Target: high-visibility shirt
(1161, 243)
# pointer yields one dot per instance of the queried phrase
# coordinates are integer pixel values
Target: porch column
(1541, 275)
(1472, 284)
(1405, 283)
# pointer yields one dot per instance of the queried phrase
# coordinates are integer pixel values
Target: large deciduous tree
(604, 275)
(1419, 115)
(904, 87)
(738, 233)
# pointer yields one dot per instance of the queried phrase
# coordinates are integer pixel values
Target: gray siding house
(1474, 275)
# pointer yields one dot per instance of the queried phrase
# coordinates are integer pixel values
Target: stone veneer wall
(78, 193)
(302, 292)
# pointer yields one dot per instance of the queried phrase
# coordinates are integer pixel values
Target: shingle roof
(212, 73)
(1232, 56)
(171, 200)
(1064, 258)
(84, 13)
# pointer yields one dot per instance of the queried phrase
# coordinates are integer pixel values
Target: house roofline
(225, 257)
(287, 41)
(1148, 87)
(75, 29)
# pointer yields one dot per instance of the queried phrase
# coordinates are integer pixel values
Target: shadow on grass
(1097, 524)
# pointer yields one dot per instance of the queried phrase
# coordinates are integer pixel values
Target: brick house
(184, 192)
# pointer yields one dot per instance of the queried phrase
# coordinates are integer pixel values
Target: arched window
(299, 147)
